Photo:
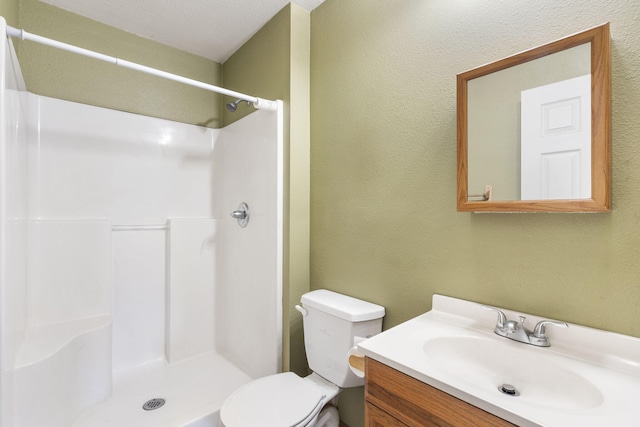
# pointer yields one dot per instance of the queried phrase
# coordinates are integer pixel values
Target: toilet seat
(274, 401)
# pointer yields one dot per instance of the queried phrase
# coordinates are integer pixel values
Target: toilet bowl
(331, 322)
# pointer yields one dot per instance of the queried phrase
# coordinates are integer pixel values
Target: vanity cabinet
(394, 399)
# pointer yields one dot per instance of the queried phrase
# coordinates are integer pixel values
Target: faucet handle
(502, 319)
(540, 332)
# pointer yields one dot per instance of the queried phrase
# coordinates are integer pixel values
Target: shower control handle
(238, 214)
(241, 214)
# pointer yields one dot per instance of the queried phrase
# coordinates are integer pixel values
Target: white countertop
(606, 364)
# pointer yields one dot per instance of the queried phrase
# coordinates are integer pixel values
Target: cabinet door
(415, 403)
(376, 417)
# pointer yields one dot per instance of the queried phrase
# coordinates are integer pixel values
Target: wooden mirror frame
(600, 200)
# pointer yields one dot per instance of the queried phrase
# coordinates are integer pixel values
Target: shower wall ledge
(42, 341)
(70, 363)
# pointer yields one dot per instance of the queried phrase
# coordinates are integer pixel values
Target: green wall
(59, 74)
(384, 225)
(274, 64)
(9, 10)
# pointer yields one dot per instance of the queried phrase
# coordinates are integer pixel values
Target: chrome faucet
(515, 330)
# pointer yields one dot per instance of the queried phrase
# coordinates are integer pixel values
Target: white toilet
(331, 322)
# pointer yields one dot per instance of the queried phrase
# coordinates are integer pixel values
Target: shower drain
(152, 404)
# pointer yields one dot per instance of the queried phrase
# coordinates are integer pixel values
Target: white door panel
(556, 140)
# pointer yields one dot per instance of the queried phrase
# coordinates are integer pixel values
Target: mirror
(534, 129)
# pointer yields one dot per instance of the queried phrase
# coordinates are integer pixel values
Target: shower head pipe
(233, 106)
(257, 102)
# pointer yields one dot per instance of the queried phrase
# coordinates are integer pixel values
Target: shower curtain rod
(257, 102)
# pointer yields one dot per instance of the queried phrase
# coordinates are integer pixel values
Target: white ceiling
(214, 29)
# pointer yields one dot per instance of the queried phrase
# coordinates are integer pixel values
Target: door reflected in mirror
(555, 140)
(506, 119)
(535, 128)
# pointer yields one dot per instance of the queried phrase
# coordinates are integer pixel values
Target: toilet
(331, 323)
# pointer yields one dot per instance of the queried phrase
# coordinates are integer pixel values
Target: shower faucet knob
(238, 214)
(241, 214)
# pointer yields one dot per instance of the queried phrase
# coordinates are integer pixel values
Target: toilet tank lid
(345, 307)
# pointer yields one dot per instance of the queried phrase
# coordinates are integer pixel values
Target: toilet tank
(331, 323)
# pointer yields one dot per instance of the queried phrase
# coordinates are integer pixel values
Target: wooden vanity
(394, 399)
(591, 377)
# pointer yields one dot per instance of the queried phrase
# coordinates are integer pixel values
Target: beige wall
(384, 225)
(55, 73)
(274, 64)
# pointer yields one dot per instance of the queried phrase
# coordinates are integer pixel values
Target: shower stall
(124, 280)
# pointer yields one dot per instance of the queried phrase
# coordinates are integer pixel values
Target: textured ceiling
(214, 29)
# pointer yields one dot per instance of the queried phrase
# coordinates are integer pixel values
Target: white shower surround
(100, 316)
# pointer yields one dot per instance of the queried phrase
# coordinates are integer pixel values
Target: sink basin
(539, 379)
(587, 378)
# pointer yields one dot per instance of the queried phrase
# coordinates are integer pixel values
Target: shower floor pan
(193, 390)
